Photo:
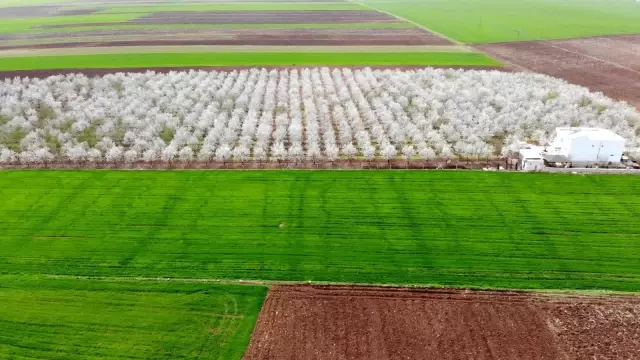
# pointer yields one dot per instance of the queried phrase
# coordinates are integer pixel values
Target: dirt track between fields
(609, 64)
(305, 322)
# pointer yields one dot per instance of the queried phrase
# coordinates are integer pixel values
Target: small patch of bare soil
(300, 322)
(596, 328)
(609, 64)
(266, 17)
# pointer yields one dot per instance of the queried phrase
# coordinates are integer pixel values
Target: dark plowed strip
(413, 36)
(164, 70)
(77, 12)
(265, 17)
(373, 323)
(598, 74)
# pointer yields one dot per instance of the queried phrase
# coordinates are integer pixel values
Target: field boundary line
(414, 23)
(268, 283)
(504, 61)
(589, 56)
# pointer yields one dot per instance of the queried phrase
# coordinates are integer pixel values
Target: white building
(530, 158)
(588, 146)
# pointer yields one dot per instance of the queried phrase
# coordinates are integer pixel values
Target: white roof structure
(532, 152)
(593, 134)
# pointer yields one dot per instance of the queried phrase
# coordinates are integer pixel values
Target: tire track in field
(160, 223)
(420, 240)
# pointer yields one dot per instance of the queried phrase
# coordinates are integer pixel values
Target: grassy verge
(242, 59)
(486, 21)
(105, 319)
(500, 230)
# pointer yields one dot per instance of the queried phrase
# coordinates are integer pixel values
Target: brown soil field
(330, 322)
(408, 36)
(606, 64)
(589, 328)
(265, 17)
(623, 50)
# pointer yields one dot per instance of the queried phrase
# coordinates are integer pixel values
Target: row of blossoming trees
(293, 115)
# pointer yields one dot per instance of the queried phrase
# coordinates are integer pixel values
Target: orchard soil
(329, 322)
(607, 64)
(164, 70)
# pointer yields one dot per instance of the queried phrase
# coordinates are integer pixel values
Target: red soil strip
(608, 65)
(331, 322)
(372, 323)
(411, 36)
(265, 17)
(164, 70)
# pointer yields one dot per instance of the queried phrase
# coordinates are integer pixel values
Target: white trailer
(530, 159)
(588, 146)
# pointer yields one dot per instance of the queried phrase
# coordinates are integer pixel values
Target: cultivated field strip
(308, 114)
(265, 17)
(504, 230)
(362, 323)
(607, 64)
(102, 319)
(221, 36)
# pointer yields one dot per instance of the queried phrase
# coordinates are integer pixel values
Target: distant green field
(503, 230)
(243, 59)
(473, 21)
(237, 6)
(69, 319)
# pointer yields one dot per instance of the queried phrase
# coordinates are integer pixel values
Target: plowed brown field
(299, 322)
(608, 64)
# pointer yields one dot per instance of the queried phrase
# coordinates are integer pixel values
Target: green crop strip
(503, 230)
(75, 319)
(242, 59)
